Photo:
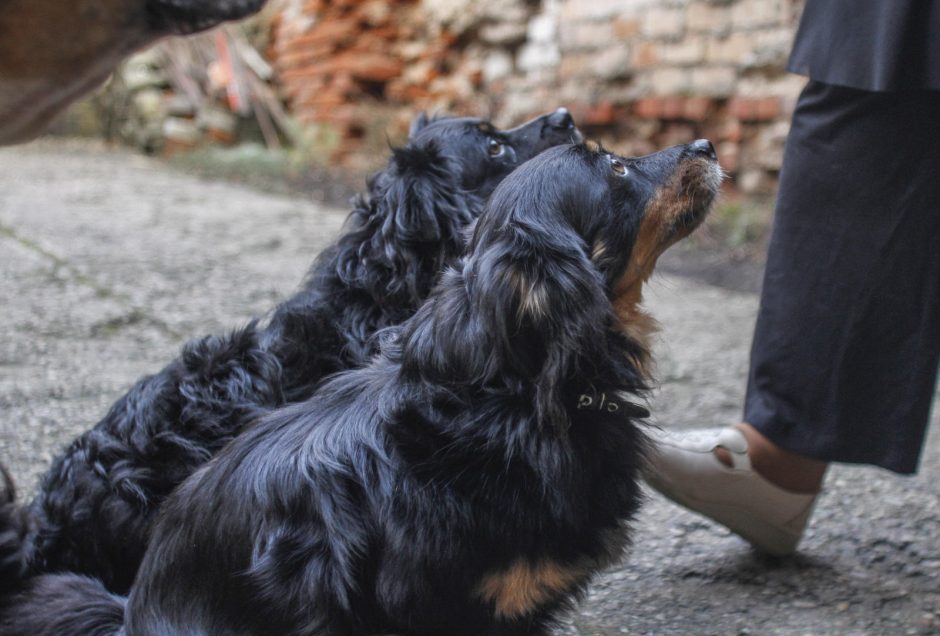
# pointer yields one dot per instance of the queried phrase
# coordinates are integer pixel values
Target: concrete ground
(110, 261)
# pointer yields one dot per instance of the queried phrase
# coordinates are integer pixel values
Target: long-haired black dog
(96, 503)
(473, 477)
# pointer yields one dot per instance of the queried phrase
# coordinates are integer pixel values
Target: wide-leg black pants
(845, 352)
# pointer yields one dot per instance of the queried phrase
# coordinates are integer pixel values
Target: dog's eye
(495, 148)
(618, 167)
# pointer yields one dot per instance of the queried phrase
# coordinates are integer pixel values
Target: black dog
(96, 503)
(469, 481)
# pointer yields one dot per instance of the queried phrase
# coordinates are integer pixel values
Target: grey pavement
(111, 261)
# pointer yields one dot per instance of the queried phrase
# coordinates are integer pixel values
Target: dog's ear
(526, 312)
(545, 306)
(411, 223)
(417, 124)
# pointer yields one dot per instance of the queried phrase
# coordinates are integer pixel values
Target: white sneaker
(683, 467)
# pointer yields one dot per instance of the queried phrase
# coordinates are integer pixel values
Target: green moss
(741, 223)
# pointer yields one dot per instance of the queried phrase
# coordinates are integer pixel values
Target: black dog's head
(413, 220)
(619, 213)
(481, 154)
(555, 268)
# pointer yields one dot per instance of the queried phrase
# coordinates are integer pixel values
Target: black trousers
(845, 353)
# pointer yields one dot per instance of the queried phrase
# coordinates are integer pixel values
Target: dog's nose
(561, 119)
(703, 148)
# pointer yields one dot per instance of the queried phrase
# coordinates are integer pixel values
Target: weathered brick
(601, 9)
(625, 28)
(675, 133)
(755, 108)
(786, 86)
(663, 23)
(533, 57)
(324, 100)
(542, 29)
(669, 81)
(688, 52)
(612, 63)
(729, 154)
(645, 55)
(706, 17)
(771, 47)
(648, 107)
(753, 14)
(742, 108)
(578, 66)
(497, 65)
(331, 32)
(373, 12)
(579, 36)
(314, 6)
(672, 107)
(769, 144)
(570, 92)
(603, 113)
(420, 72)
(407, 93)
(697, 108)
(372, 67)
(680, 68)
(625, 92)
(713, 81)
(768, 108)
(503, 33)
(734, 49)
(728, 129)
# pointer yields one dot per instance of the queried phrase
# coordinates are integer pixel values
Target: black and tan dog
(96, 503)
(473, 477)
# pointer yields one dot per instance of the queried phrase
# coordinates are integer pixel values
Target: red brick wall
(639, 74)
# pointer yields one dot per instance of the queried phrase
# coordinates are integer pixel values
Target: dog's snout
(703, 148)
(561, 119)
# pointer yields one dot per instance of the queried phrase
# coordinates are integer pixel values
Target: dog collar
(610, 404)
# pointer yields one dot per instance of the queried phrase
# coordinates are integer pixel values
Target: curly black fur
(472, 479)
(95, 504)
(14, 528)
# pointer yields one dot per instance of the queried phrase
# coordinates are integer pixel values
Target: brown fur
(53, 51)
(58, 39)
(662, 227)
(524, 587)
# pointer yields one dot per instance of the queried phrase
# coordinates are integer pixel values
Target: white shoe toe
(683, 467)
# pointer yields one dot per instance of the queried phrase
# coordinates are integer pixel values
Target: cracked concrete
(110, 261)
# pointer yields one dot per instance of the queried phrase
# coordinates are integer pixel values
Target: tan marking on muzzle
(664, 223)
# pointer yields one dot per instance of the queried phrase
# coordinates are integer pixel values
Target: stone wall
(637, 74)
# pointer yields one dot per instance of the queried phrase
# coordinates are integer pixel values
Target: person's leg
(786, 470)
(845, 352)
